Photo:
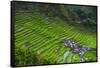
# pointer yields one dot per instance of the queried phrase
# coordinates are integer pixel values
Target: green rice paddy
(38, 40)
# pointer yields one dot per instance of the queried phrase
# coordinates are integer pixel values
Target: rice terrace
(47, 33)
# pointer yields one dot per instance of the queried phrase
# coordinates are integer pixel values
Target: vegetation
(40, 28)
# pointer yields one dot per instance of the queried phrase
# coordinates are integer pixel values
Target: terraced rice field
(38, 41)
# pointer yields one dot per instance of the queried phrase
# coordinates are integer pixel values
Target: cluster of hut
(76, 48)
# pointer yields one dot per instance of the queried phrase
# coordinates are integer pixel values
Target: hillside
(40, 29)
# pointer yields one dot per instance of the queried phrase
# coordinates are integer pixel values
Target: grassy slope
(37, 39)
